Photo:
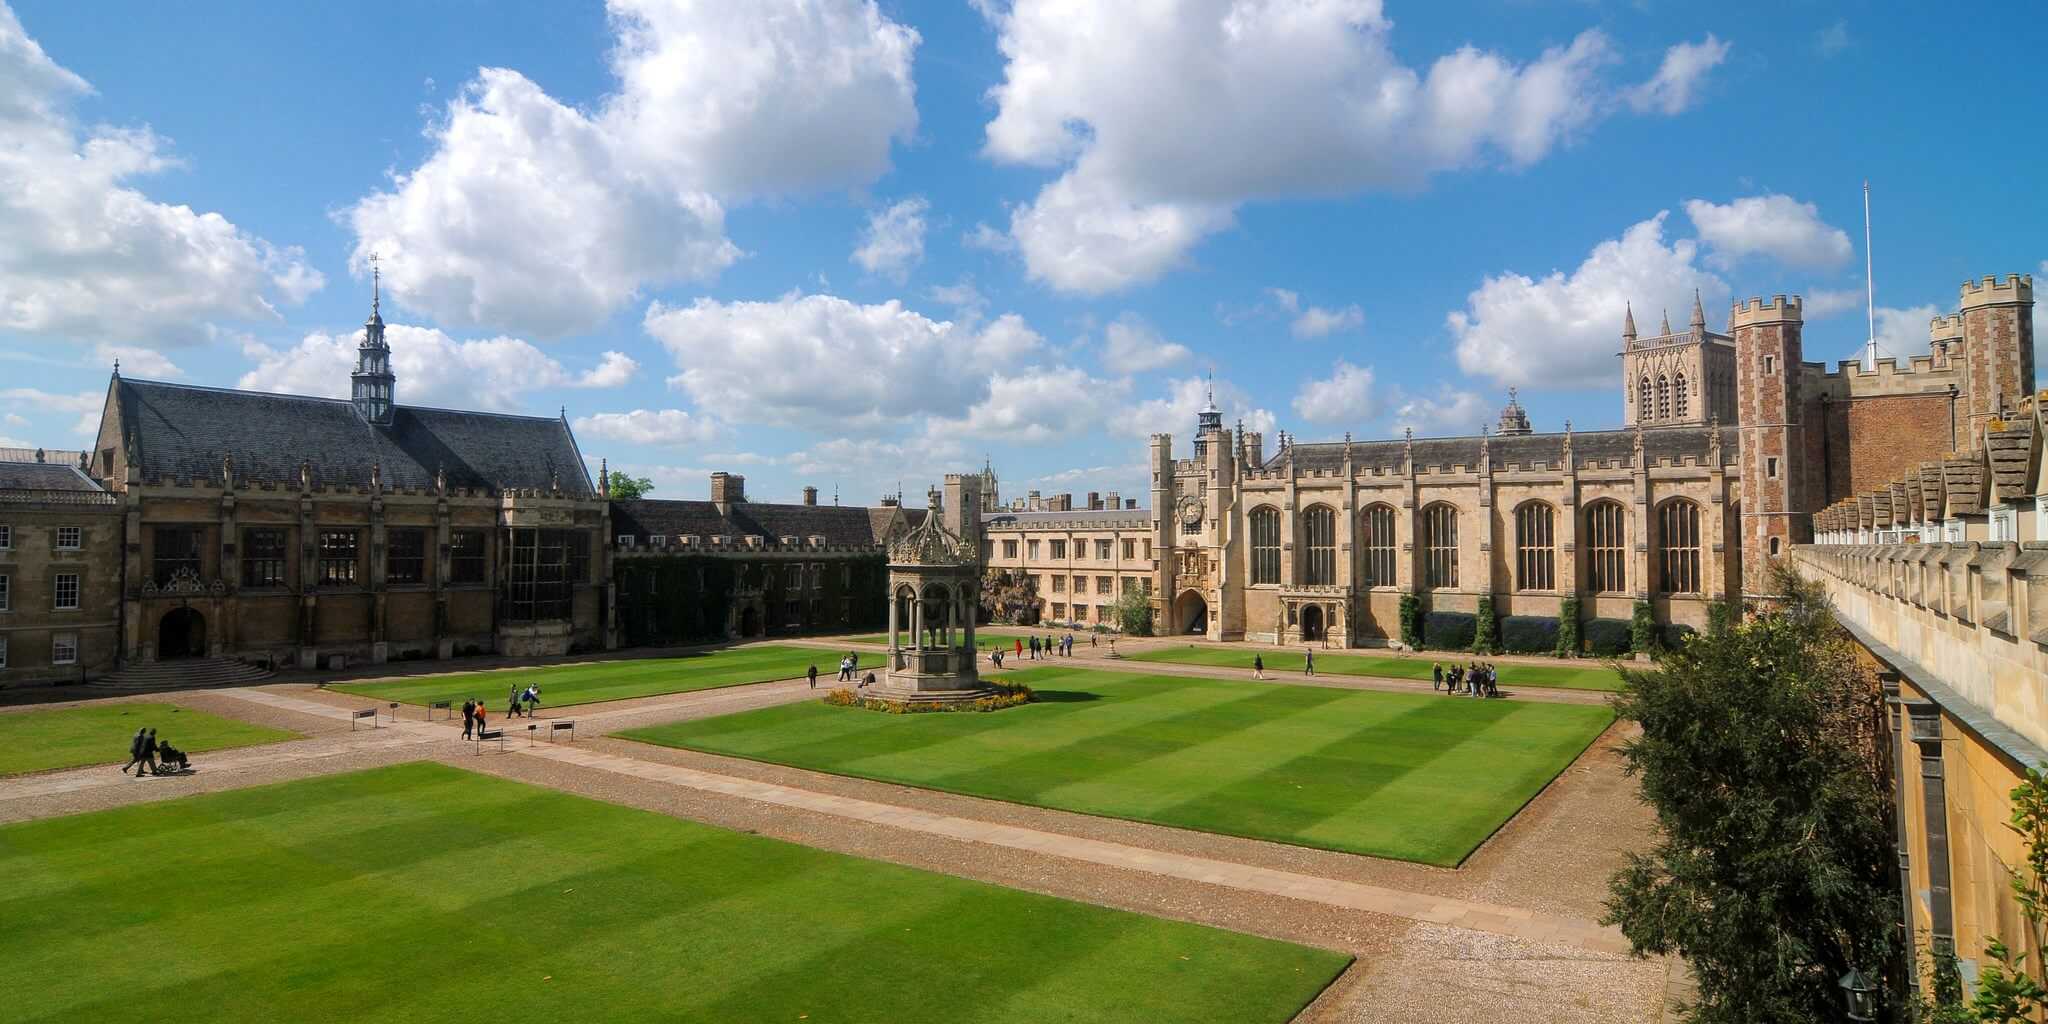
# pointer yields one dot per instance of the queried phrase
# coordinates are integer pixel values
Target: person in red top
(481, 714)
(1020, 648)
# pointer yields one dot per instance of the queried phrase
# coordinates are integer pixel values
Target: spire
(1666, 329)
(1699, 313)
(373, 387)
(1628, 322)
(376, 287)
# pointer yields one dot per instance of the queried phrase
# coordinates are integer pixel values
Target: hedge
(1568, 639)
(1606, 638)
(1411, 620)
(1449, 631)
(1528, 634)
(1486, 626)
(1673, 636)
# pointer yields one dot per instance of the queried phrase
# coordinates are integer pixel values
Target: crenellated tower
(1998, 351)
(1771, 403)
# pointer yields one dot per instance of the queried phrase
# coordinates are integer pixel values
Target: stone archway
(1312, 626)
(750, 622)
(181, 634)
(1191, 613)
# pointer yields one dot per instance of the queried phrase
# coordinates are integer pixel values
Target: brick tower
(1770, 404)
(1998, 351)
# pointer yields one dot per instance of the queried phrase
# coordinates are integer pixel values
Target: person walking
(149, 753)
(482, 717)
(1436, 675)
(1258, 666)
(1034, 647)
(532, 699)
(1308, 664)
(812, 674)
(468, 718)
(135, 757)
(1019, 652)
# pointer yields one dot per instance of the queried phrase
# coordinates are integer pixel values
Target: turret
(1628, 324)
(1770, 405)
(373, 387)
(1998, 350)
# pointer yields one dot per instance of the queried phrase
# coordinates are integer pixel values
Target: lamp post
(1860, 995)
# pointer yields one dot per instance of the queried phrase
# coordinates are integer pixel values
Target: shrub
(1607, 638)
(1449, 631)
(1568, 641)
(1642, 629)
(1672, 637)
(1005, 696)
(1720, 616)
(1411, 620)
(1484, 638)
(1528, 634)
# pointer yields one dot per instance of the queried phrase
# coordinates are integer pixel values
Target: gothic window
(1678, 394)
(1379, 545)
(1535, 547)
(537, 580)
(1266, 545)
(1440, 546)
(1678, 547)
(405, 557)
(1606, 547)
(264, 556)
(176, 547)
(466, 556)
(337, 558)
(1643, 398)
(1663, 397)
(1319, 535)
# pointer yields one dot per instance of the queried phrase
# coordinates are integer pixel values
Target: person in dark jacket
(135, 755)
(468, 718)
(812, 674)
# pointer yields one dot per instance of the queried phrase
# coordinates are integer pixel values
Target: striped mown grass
(1564, 676)
(1411, 776)
(37, 741)
(563, 685)
(425, 894)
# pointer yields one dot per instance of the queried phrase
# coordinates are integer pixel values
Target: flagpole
(1870, 288)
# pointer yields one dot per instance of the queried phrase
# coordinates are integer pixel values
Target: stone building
(60, 569)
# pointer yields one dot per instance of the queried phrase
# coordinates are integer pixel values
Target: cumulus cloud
(1901, 333)
(1777, 226)
(1819, 303)
(1344, 396)
(85, 256)
(432, 368)
(1447, 412)
(667, 427)
(893, 242)
(1161, 119)
(1176, 411)
(1315, 321)
(533, 215)
(988, 239)
(1563, 329)
(1678, 79)
(139, 362)
(836, 364)
(1130, 345)
(86, 405)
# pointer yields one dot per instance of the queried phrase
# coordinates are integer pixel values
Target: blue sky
(850, 244)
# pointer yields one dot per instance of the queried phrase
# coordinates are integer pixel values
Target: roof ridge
(216, 389)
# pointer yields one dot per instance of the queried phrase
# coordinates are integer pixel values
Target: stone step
(183, 674)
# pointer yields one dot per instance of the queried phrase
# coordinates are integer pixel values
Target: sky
(858, 245)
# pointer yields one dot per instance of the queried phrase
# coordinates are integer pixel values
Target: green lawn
(989, 636)
(37, 741)
(424, 893)
(1512, 674)
(613, 680)
(1413, 776)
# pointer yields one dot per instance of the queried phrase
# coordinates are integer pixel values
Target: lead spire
(1628, 322)
(1699, 312)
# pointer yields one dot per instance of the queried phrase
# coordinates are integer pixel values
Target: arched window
(1535, 547)
(1606, 547)
(1377, 541)
(1643, 398)
(1678, 388)
(1319, 536)
(1440, 546)
(1678, 547)
(1266, 545)
(1663, 397)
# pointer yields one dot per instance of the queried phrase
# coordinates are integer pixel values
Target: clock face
(1191, 512)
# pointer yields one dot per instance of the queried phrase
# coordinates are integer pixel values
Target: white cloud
(533, 215)
(87, 257)
(1130, 345)
(1678, 79)
(981, 236)
(1820, 303)
(1449, 412)
(1038, 405)
(432, 368)
(836, 364)
(1832, 39)
(1564, 329)
(1175, 412)
(1317, 322)
(1162, 119)
(1777, 226)
(86, 405)
(894, 240)
(1347, 394)
(963, 296)
(139, 362)
(1901, 333)
(669, 427)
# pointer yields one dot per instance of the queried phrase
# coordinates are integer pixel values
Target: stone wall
(1873, 441)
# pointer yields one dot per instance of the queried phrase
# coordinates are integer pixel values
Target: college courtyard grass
(38, 741)
(1566, 676)
(1417, 777)
(564, 685)
(986, 637)
(424, 893)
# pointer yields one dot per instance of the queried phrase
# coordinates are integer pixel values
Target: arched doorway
(1312, 622)
(750, 622)
(1191, 613)
(181, 634)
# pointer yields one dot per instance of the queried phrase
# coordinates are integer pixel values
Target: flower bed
(1005, 696)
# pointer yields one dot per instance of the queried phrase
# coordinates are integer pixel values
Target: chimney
(1130, 503)
(888, 501)
(1110, 501)
(1061, 503)
(810, 495)
(728, 488)
(1094, 501)
(1033, 502)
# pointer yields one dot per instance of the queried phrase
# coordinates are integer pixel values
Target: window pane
(1606, 547)
(1319, 536)
(1440, 545)
(1678, 547)
(1379, 546)
(1535, 549)
(1266, 545)
(263, 557)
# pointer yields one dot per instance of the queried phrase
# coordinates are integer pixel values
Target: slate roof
(182, 432)
(2011, 453)
(1606, 446)
(44, 476)
(1082, 519)
(848, 525)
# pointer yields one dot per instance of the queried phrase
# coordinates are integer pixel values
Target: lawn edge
(341, 688)
(1612, 721)
(290, 736)
(1140, 656)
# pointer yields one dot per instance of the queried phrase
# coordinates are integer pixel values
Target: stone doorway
(1312, 622)
(1191, 614)
(750, 622)
(181, 634)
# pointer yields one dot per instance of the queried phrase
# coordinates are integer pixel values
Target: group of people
(1045, 648)
(146, 753)
(1308, 663)
(525, 700)
(1478, 679)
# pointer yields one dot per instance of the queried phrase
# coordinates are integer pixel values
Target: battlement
(1850, 378)
(1993, 292)
(1755, 310)
(1945, 328)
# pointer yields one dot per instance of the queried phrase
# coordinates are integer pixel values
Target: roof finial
(117, 366)
(1628, 321)
(1699, 312)
(376, 281)
(1666, 328)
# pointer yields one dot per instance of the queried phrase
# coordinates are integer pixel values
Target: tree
(626, 487)
(1763, 754)
(1134, 612)
(1010, 598)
